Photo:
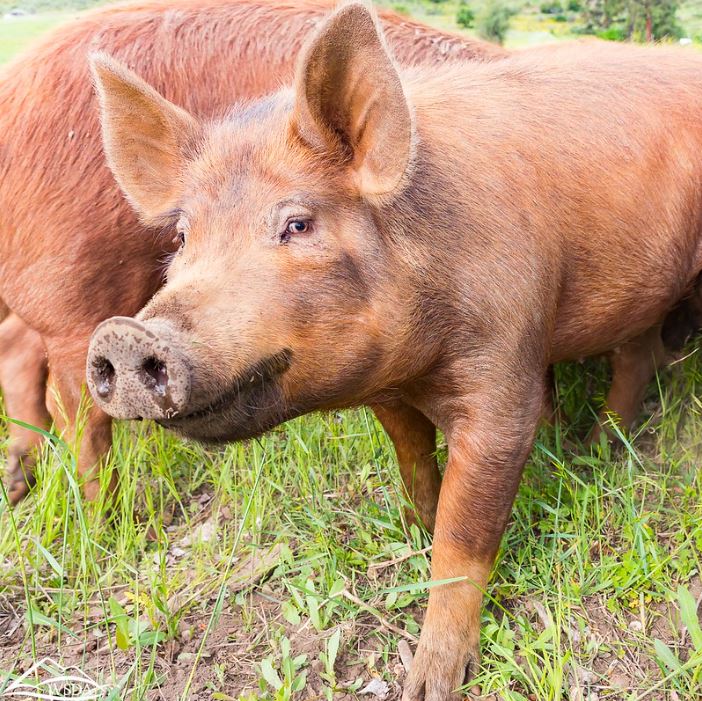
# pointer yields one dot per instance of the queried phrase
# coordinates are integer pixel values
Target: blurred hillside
(515, 22)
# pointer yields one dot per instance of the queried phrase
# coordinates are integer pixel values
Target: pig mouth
(241, 409)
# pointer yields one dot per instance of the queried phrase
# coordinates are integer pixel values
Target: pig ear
(350, 101)
(144, 137)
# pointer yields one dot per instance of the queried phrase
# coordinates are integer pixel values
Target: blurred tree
(642, 20)
(494, 21)
(551, 7)
(600, 14)
(651, 20)
(465, 17)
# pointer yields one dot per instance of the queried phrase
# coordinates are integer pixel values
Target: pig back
(570, 184)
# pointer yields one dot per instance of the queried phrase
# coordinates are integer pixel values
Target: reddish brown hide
(426, 241)
(71, 251)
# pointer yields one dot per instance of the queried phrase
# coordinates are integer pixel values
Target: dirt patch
(228, 661)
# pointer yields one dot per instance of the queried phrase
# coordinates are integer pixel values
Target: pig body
(71, 250)
(426, 241)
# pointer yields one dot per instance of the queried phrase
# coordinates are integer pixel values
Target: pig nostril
(104, 375)
(155, 375)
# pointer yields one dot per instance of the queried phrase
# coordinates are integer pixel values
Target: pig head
(278, 300)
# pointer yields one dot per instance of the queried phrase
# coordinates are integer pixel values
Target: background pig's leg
(633, 366)
(685, 320)
(414, 437)
(66, 396)
(489, 436)
(23, 372)
(551, 411)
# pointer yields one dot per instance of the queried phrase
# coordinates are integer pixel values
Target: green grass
(236, 568)
(690, 16)
(282, 568)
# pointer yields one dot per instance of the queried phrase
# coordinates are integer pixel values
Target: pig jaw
(251, 405)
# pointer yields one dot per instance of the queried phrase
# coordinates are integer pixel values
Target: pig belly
(592, 321)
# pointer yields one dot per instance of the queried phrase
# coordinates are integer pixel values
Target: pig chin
(246, 409)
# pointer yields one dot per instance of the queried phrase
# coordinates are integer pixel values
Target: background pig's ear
(350, 101)
(144, 137)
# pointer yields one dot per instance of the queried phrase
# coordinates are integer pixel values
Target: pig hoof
(18, 481)
(438, 671)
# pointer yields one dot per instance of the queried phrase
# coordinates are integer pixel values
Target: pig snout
(135, 370)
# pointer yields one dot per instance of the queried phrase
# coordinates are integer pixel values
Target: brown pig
(72, 253)
(426, 241)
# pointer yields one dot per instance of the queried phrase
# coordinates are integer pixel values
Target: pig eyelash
(181, 228)
(164, 264)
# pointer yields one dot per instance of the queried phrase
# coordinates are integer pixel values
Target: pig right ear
(350, 102)
(144, 137)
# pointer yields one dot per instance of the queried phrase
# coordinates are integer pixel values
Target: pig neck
(458, 286)
(530, 205)
(470, 283)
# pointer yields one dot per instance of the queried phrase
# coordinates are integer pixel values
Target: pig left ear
(145, 138)
(350, 101)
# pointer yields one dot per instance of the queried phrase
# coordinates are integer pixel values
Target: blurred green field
(16, 33)
(529, 26)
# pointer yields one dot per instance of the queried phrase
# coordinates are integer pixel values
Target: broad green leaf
(688, 613)
(333, 649)
(269, 674)
(300, 682)
(122, 638)
(337, 588)
(666, 656)
(116, 609)
(290, 613)
(313, 609)
(53, 563)
(39, 619)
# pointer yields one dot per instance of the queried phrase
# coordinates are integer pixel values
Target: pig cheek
(330, 294)
(334, 358)
(317, 311)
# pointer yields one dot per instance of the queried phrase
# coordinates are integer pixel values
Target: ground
(283, 568)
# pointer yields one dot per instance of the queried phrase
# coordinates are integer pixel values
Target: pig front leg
(414, 438)
(487, 450)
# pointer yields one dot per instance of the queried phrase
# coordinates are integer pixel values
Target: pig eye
(297, 227)
(293, 228)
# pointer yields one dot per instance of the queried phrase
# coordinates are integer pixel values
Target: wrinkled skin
(425, 242)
